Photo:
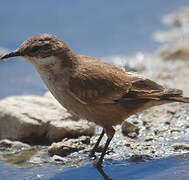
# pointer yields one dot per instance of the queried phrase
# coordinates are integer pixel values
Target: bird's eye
(40, 49)
(35, 48)
(45, 47)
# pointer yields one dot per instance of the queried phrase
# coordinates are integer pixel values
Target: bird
(90, 88)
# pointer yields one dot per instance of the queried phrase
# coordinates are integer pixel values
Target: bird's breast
(58, 85)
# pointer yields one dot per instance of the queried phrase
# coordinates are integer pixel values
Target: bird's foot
(92, 154)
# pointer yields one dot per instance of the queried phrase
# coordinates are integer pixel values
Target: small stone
(167, 123)
(127, 145)
(135, 122)
(58, 158)
(132, 135)
(140, 158)
(148, 138)
(144, 123)
(175, 130)
(171, 111)
(61, 149)
(5, 143)
(146, 148)
(129, 129)
(147, 127)
(153, 151)
(85, 139)
(180, 146)
(65, 147)
(159, 131)
(134, 146)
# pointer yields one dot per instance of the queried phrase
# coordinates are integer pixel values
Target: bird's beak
(9, 55)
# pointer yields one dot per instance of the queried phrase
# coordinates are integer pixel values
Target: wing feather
(99, 83)
(105, 83)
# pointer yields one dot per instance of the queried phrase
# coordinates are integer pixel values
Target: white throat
(41, 61)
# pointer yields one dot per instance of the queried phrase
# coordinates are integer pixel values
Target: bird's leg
(92, 153)
(99, 163)
(110, 133)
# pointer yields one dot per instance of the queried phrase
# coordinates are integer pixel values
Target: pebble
(148, 138)
(8, 144)
(180, 146)
(64, 148)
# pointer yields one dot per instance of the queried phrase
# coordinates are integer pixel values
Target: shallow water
(175, 168)
(170, 168)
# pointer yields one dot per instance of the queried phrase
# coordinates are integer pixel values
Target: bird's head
(41, 50)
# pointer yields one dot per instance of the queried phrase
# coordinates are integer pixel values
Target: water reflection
(169, 168)
(104, 175)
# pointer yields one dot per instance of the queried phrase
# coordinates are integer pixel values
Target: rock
(180, 146)
(59, 158)
(65, 147)
(172, 130)
(140, 158)
(38, 118)
(85, 139)
(148, 138)
(178, 19)
(5, 143)
(179, 23)
(132, 134)
(129, 129)
(177, 37)
(61, 149)
(171, 36)
(177, 51)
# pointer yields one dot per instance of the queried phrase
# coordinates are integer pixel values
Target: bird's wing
(102, 83)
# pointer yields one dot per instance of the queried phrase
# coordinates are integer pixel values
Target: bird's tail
(180, 99)
(175, 95)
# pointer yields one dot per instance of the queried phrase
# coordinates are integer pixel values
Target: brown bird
(92, 89)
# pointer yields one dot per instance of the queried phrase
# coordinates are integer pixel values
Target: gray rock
(34, 117)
